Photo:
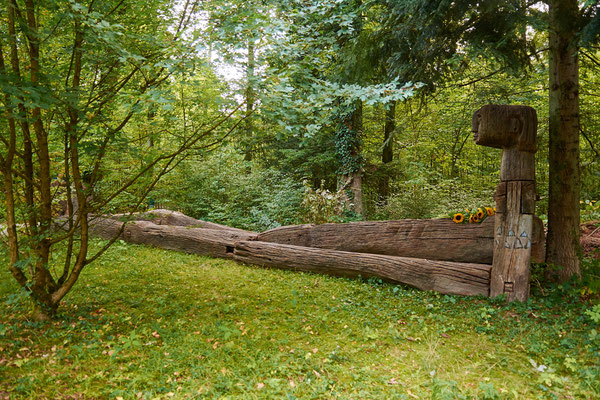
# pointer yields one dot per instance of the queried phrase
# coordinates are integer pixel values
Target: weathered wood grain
(173, 218)
(512, 244)
(210, 242)
(513, 129)
(437, 239)
(442, 276)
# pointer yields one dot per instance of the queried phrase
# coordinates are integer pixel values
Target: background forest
(325, 100)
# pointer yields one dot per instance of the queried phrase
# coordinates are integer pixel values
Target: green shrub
(226, 189)
(427, 194)
(590, 210)
(320, 206)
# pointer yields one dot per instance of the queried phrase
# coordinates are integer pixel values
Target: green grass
(148, 323)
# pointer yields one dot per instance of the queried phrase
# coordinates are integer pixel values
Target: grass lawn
(149, 323)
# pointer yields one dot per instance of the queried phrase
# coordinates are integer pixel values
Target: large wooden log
(436, 239)
(210, 242)
(173, 218)
(442, 276)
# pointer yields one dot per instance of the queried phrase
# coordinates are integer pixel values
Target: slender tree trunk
(9, 197)
(23, 122)
(250, 95)
(457, 148)
(43, 277)
(387, 154)
(356, 176)
(563, 247)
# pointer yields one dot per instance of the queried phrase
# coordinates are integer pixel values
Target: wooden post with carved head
(512, 129)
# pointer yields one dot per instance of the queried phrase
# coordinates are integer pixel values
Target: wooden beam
(208, 242)
(174, 218)
(434, 239)
(514, 130)
(442, 276)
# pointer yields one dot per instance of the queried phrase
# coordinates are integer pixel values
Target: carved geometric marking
(528, 244)
(506, 244)
(523, 235)
(508, 287)
(497, 242)
(511, 233)
(499, 231)
(518, 244)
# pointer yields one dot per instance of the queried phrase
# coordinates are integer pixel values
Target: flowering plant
(474, 215)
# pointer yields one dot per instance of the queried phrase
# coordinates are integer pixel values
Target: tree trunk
(387, 154)
(563, 248)
(173, 218)
(248, 150)
(357, 194)
(356, 176)
(208, 242)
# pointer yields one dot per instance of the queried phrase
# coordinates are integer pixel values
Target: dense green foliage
(315, 61)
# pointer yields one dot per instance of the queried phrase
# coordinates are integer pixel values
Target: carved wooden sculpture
(513, 129)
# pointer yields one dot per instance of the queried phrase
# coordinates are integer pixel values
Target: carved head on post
(506, 126)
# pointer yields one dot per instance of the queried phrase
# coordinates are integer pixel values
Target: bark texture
(174, 218)
(563, 248)
(442, 276)
(437, 239)
(209, 242)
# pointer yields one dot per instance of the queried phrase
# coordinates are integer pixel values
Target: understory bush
(590, 210)
(320, 206)
(226, 189)
(428, 194)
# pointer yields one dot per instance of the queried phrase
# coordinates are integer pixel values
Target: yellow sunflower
(479, 214)
(458, 218)
(489, 211)
(476, 218)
